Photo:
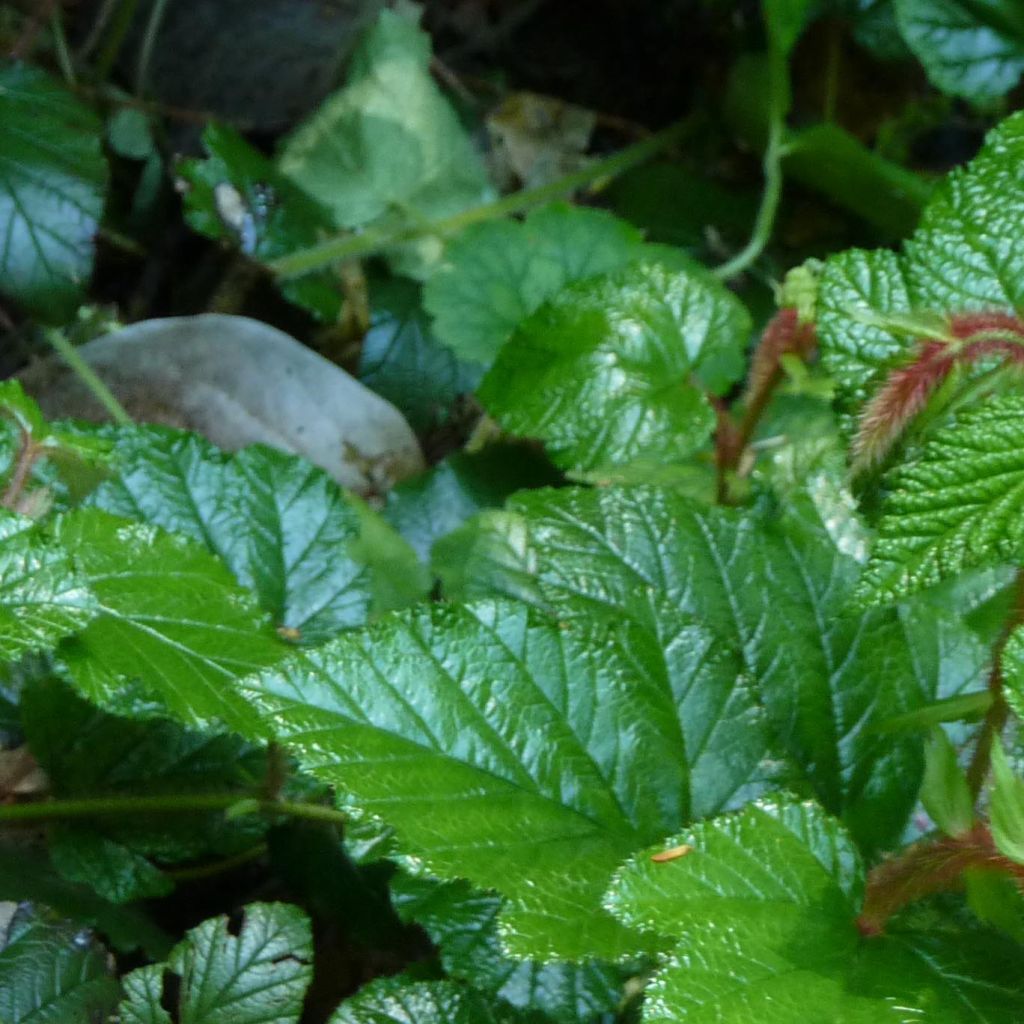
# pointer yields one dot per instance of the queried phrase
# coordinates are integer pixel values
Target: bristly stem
(28, 453)
(184, 803)
(351, 246)
(998, 712)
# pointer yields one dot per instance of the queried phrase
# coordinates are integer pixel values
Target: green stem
(156, 17)
(60, 46)
(349, 246)
(88, 377)
(774, 153)
(194, 803)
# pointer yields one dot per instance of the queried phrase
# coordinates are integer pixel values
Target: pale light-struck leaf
(52, 182)
(52, 971)
(238, 195)
(615, 369)
(956, 506)
(970, 48)
(1006, 806)
(403, 1001)
(966, 256)
(764, 906)
(42, 597)
(389, 143)
(463, 923)
(256, 976)
(171, 621)
(772, 590)
(283, 527)
(497, 273)
(524, 755)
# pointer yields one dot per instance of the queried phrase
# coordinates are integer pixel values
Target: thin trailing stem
(60, 46)
(775, 152)
(352, 246)
(149, 37)
(88, 377)
(185, 803)
(998, 712)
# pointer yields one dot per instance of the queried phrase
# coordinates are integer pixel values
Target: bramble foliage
(689, 691)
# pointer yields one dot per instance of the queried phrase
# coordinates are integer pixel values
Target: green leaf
(255, 976)
(786, 20)
(42, 598)
(52, 183)
(435, 503)
(944, 791)
(237, 194)
(763, 906)
(1013, 671)
(614, 370)
(463, 923)
(25, 874)
(86, 752)
(52, 971)
(115, 871)
(1006, 806)
(402, 361)
(171, 620)
(773, 592)
(955, 506)
(400, 1001)
(970, 48)
(389, 143)
(497, 273)
(282, 526)
(521, 755)
(967, 255)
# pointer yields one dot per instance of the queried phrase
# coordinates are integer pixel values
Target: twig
(349, 246)
(25, 42)
(149, 37)
(28, 453)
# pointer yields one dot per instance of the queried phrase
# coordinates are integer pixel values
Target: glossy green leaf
(616, 369)
(970, 48)
(255, 976)
(238, 195)
(967, 255)
(173, 626)
(403, 361)
(402, 1001)
(497, 273)
(463, 923)
(523, 755)
(763, 906)
(52, 182)
(388, 143)
(954, 507)
(42, 597)
(52, 972)
(85, 751)
(1006, 806)
(944, 791)
(1013, 671)
(282, 526)
(115, 871)
(434, 504)
(26, 874)
(774, 592)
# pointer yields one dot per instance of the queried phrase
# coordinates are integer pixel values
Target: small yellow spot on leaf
(672, 854)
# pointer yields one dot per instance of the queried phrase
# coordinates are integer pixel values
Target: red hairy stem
(926, 869)
(784, 335)
(906, 391)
